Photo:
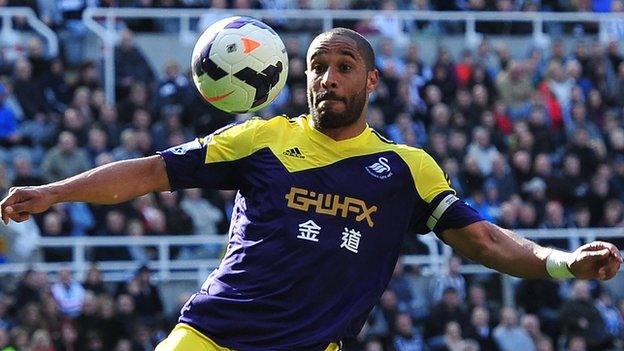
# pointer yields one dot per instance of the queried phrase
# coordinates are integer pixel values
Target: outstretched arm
(108, 184)
(507, 252)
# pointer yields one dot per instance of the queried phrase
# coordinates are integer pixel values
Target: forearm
(501, 249)
(114, 182)
(512, 254)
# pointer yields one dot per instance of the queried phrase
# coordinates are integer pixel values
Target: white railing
(7, 32)
(102, 22)
(198, 269)
(168, 269)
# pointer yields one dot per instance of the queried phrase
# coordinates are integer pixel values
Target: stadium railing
(178, 269)
(103, 22)
(9, 34)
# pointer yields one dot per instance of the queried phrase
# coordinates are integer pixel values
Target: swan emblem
(380, 169)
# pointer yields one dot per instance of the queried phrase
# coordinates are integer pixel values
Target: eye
(345, 67)
(318, 68)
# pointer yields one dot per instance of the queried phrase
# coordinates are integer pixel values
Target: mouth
(328, 99)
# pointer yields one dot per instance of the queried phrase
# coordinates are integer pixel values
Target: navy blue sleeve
(457, 215)
(187, 168)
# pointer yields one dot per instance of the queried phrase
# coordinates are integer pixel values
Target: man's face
(338, 82)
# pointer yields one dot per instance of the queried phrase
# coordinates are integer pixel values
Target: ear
(372, 79)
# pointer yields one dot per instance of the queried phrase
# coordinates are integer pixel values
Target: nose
(328, 81)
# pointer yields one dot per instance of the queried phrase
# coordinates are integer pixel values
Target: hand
(22, 201)
(596, 260)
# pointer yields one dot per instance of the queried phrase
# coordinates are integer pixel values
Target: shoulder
(255, 124)
(413, 156)
(281, 125)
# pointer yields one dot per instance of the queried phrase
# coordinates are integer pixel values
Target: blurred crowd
(531, 141)
(452, 312)
(64, 15)
(443, 312)
(38, 313)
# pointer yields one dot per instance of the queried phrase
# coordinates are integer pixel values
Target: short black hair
(364, 47)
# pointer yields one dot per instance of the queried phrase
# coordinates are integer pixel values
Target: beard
(325, 118)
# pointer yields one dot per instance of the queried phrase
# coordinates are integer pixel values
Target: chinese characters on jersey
(309, 231)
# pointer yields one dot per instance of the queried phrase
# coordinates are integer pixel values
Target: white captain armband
(440, 209)
(558, 264)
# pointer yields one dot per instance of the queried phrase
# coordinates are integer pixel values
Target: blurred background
(520, 102)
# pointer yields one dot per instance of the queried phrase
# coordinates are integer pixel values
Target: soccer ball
(239, 64)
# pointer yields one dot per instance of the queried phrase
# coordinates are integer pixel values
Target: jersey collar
(316, 135)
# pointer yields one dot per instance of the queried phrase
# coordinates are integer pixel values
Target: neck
(346, 132)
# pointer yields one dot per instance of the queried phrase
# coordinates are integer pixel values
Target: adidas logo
(294, 152)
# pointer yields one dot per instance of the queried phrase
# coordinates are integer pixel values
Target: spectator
(509, 336)
(388, 24)
(128, 148)
(136, 228)
(449, 309)
(68, 340)
(174, 88)
(482, 149)
(452, 339)
(502, 177)
(126, 317)
(41, 341)
(615, 26)
(68, 293)
(24, 174)
(53, 227)
(480, 329)
(611, 317)
(109, 331)
(579, 316)
(93, 282)
(130, 65)
(544, 344)
(471, 176)
(65, 159)
(9, 133)
(577, 343)
(97, 143)
(452, 278)
(531, 324)
(29, 289)
(58, 92)
(407, 131)
(170, 124)
(209, 17)
(205, 215)
(177, 219)
(28, 90)
(515, 89)
(407, 338)
(81, 100)
(115, 222)
(88, 76)
(146, 295)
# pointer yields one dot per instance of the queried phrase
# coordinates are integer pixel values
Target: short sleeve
(440, 208)
(215, 161)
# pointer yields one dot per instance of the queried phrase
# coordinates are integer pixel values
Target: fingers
(609, 270)
(16, 205)
(600, 254)
(599, 245)
(5, 208)
(19, 207)
(615, 252)
(21, 217)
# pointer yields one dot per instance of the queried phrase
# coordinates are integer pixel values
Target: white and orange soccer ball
(239, 64)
